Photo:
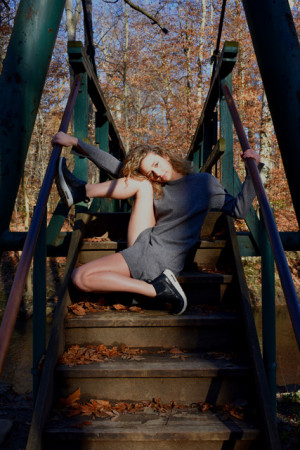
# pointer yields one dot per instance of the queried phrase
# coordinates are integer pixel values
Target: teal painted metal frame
(277, 50)
(21, 85)
(268, 311)
(39, 306)
(252, 243)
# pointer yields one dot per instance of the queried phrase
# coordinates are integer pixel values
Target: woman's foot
(169, 290)
(70, 188)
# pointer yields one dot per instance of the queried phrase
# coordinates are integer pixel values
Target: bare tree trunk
(125, 82)
(200, 53)
(265, 139)
(72, 18)
(188, 91)
(26, 205)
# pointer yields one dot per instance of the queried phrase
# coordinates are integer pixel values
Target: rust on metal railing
(14, 300)
(277, 248)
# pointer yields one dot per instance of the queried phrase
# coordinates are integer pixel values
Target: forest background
(155, 84)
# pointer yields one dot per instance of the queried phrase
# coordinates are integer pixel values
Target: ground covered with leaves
(288, 417)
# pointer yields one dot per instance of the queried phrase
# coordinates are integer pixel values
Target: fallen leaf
(237, 413)
(120, 307)
(175, 350)
(78, 311)
(72, 399)
(80, 425)
(135, 309)
(204, 406)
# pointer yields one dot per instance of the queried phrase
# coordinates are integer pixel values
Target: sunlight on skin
(158, 168)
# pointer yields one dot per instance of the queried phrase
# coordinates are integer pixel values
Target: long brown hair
(135, 156)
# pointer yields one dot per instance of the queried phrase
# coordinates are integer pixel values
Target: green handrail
(278, 252)
(15, 297)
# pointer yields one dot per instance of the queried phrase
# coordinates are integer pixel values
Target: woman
(170, 204)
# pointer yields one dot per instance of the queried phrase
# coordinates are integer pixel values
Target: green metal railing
(268, 224)
(35, 240)
(205, 151)
(40, 241)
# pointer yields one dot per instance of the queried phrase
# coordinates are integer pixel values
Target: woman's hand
(64, 139)
(250, 153)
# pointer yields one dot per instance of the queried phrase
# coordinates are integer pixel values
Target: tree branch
(6, 5)
(137, 8)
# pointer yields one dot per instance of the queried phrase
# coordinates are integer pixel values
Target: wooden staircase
(198, 381)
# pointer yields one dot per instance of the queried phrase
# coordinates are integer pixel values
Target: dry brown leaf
(237, 413)
(175, 350)
(120, 307)
(135, 309)
(80, 425)
(78, 311)
(203, 406)
(72, 399)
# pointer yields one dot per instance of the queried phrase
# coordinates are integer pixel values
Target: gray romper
(179, 213)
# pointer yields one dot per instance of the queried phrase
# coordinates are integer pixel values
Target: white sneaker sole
(62, 186)
(171, 277)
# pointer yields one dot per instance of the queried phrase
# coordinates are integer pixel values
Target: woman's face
(158, 168)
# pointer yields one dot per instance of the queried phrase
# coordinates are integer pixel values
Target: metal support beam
(226, 63)
(81, 122)
(227, 167)
(39, 305)
(102, 139)
(277, 50)
(21, 85)
(268, 311)
(216, 153)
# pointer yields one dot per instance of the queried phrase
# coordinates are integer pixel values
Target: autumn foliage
(155, 84)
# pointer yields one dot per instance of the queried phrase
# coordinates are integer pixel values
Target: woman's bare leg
(142, 215)
(109, 274)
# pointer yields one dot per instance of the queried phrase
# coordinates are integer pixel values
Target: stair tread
(204, 277)
(189, 424)
(167, 365)
(114, 245)
(151, 319)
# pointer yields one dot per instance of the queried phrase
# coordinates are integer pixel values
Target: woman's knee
(145, 190)
(79, 279)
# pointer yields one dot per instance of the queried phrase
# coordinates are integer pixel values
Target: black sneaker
(169, 290)
(70, 188)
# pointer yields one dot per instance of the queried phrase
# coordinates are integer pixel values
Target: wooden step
(114, 225)
(186, 378)
(198, 330)
(200, 287)
(187, 429)
(204, 287)
(207, 254)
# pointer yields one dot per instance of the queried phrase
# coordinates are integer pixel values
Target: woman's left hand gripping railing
(35, 241)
